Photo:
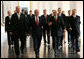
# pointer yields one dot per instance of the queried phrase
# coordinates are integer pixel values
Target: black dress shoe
(22, 51)
(73, 50)
(37, 54)
(55, 53)
(77, 50)
(17, 56)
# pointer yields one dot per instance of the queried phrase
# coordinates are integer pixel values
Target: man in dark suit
(51, 13)
(68, 26)
(64, 19)
(18, 30)
(63, 12)
(46, 28)
(23, 12)
(57, 25)
(30, 16)
(75, 30)
(36, 24)
(8, 28)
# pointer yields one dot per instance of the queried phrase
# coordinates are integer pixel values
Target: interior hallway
(45, 52)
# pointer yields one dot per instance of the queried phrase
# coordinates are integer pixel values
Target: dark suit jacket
(18, 25)
(8, 24)
(36, 30)
(45, 22)
(56, 28)
(68, 22)
(50, 15)
(75, 25)
(30, 16)
(64, 18)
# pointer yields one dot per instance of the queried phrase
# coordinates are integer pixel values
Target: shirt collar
(74, 15)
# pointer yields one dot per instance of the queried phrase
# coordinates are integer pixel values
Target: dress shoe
(17, 56)
(22, 51)
(60, 47)
(55, 53)
(37, 54)
(77, 50)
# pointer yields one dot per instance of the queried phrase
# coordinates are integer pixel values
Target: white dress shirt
(18, 14)
(55, 16)
(74, 16)
(59, 14)
(10, 17)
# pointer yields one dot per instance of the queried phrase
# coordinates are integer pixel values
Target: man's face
(44, 11)
(36, 12)
(30, 12)
(73, 12)
(18, 9)
(23, 12)
(9, 13)
(55, 13)
(59, 10)
(63, 12)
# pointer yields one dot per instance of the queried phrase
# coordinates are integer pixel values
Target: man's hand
(50, 23)
(10, 33)
(70, 28)
(42, 27)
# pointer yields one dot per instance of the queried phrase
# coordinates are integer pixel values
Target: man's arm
(5, 23)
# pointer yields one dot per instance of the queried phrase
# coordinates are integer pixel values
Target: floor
(45, 52)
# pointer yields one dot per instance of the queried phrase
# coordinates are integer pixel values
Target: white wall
(9, 5)
(49, 5)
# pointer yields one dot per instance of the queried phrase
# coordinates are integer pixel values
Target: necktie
(55, 19)
(37, 21)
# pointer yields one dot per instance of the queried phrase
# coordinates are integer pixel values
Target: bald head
(44, 11)
(9, 12)
(17, 9)
(36, 12)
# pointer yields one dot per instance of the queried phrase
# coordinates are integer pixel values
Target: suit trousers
(48, 36)
(16, 42)
(55, 42)
(10, 38)
(75, 41)
(37, 36)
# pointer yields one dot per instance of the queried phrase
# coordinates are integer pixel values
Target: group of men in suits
(20, 25)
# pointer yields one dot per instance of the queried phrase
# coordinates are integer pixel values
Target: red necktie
(37, 21)
(55, 19)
